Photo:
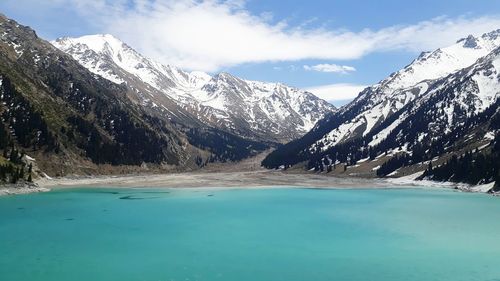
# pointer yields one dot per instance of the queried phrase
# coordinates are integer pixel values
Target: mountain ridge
(389, 117)
(56, 112)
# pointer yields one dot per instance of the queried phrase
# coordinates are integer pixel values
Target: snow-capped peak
(444, 61)
(198, 78)
(98, 42)
(99, 52)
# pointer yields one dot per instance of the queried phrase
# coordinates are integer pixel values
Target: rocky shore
(21, 188)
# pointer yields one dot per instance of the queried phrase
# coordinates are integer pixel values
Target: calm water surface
(249, 235)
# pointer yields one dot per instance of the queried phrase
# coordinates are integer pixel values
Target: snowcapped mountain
(376, 103)
(73, 121)
(445, 102)
(256, 110)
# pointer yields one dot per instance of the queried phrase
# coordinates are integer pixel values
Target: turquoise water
(254, 235)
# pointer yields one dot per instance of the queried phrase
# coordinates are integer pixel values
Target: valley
(93, 105)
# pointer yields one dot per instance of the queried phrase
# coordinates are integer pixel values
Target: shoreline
(21, 188)
(232, 179)
(263, 178)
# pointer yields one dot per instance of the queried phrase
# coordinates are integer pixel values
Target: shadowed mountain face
(444, 103)
(69, 120)
(268, 112)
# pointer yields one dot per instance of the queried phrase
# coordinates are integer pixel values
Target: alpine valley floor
(241, 179)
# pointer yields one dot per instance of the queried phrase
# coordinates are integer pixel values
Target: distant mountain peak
(225, 76)
(97, 42)
(493, 35)
(469, 42)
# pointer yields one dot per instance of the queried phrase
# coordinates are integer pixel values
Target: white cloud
(335, 68)
(213, 34)
(337, 92)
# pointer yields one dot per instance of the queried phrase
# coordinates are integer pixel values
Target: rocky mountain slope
(269, 112)
(442, 105)
(55, 111)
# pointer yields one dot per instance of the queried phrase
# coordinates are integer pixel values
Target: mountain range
(98, 106)
(261, 111)
(94, 105)
(438, 109)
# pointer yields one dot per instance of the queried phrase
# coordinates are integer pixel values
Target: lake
(272, 234)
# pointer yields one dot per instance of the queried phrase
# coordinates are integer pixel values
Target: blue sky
(338, 46)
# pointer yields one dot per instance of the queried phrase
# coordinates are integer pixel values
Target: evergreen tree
(14, 176)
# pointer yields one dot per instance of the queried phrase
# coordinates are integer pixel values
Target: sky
(334, 48)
